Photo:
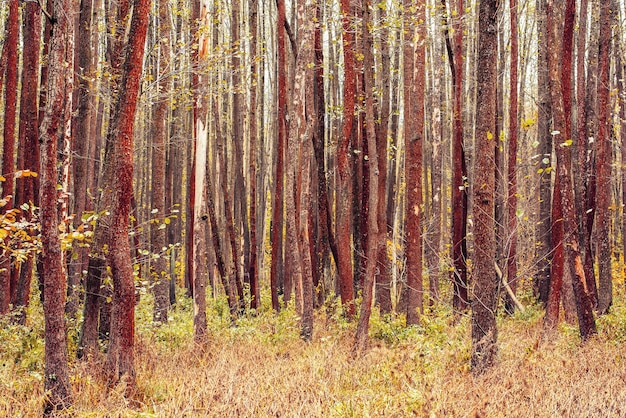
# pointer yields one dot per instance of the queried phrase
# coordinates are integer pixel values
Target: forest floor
(261, 368)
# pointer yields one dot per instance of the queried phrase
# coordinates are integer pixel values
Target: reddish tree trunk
(372, 233)
(120, 359)
(603, 163)
(29, 135)
(553, 302)
(460, 299)
(414, 85)
(484, 297)
(559, 63)
(277, 209)
(344, 186)
(584, 188)
(56, 381)
(8, 145)
(512, 169)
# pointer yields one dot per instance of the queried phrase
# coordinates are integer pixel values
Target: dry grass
(261, 368)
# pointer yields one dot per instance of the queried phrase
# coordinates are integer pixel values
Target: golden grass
(261, 368)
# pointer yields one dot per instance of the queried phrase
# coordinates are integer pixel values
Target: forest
(340, 208)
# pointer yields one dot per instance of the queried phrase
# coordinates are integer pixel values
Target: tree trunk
(326, 237)
(120, 359)
(512, 169)
(252, 269)
(301, 136)
(414, 85)
(383, 278)
(559, 64)
(544, 244)
(277, 207)
(372, 221)
(29, 141)
(8, 144)
(344, 186)
(160, 124)
(484, 295)
(56, 382)
(82, 139)
(604, 161)
(460, 298)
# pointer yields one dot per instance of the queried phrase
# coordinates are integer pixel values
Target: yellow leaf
(489, 135)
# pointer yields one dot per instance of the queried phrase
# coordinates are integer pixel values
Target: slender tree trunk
(484, 295)
(460, 299)
(414, 85)
(344, 186)
(383, 278)
(252, 270)
(544, 245)
(29, 140)
(82, 135)
(372, 233)
(277, 208)
(621, 70)
(326, 237)
(8, 144)
(159, 136)
(434, 250)
(301, 136)
(120, 360)
(56, 382)
(197, 244)
(500, 159)
(583, 187)
(239, 205)
(229, 278)
(557, 271)
(604, 162)
(512, 169)
(559, 64)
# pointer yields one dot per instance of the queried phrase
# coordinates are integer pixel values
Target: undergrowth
(260, 367)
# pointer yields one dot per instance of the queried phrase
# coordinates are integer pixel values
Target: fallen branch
(505, 283)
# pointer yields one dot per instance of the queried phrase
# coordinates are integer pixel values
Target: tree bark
(460, 299)
(252, 270)
(372, 233)
(56, 381)
(302, 117)
(512, 169)
(414, 85)
(120, 359)
(544, 244)
(344, 186)
(383, 278)
(277, 207)
(160, 125)
(8, 144)
(604, 162)
(559, 64)
(29, 141)
(82, 140)
(484, 295)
